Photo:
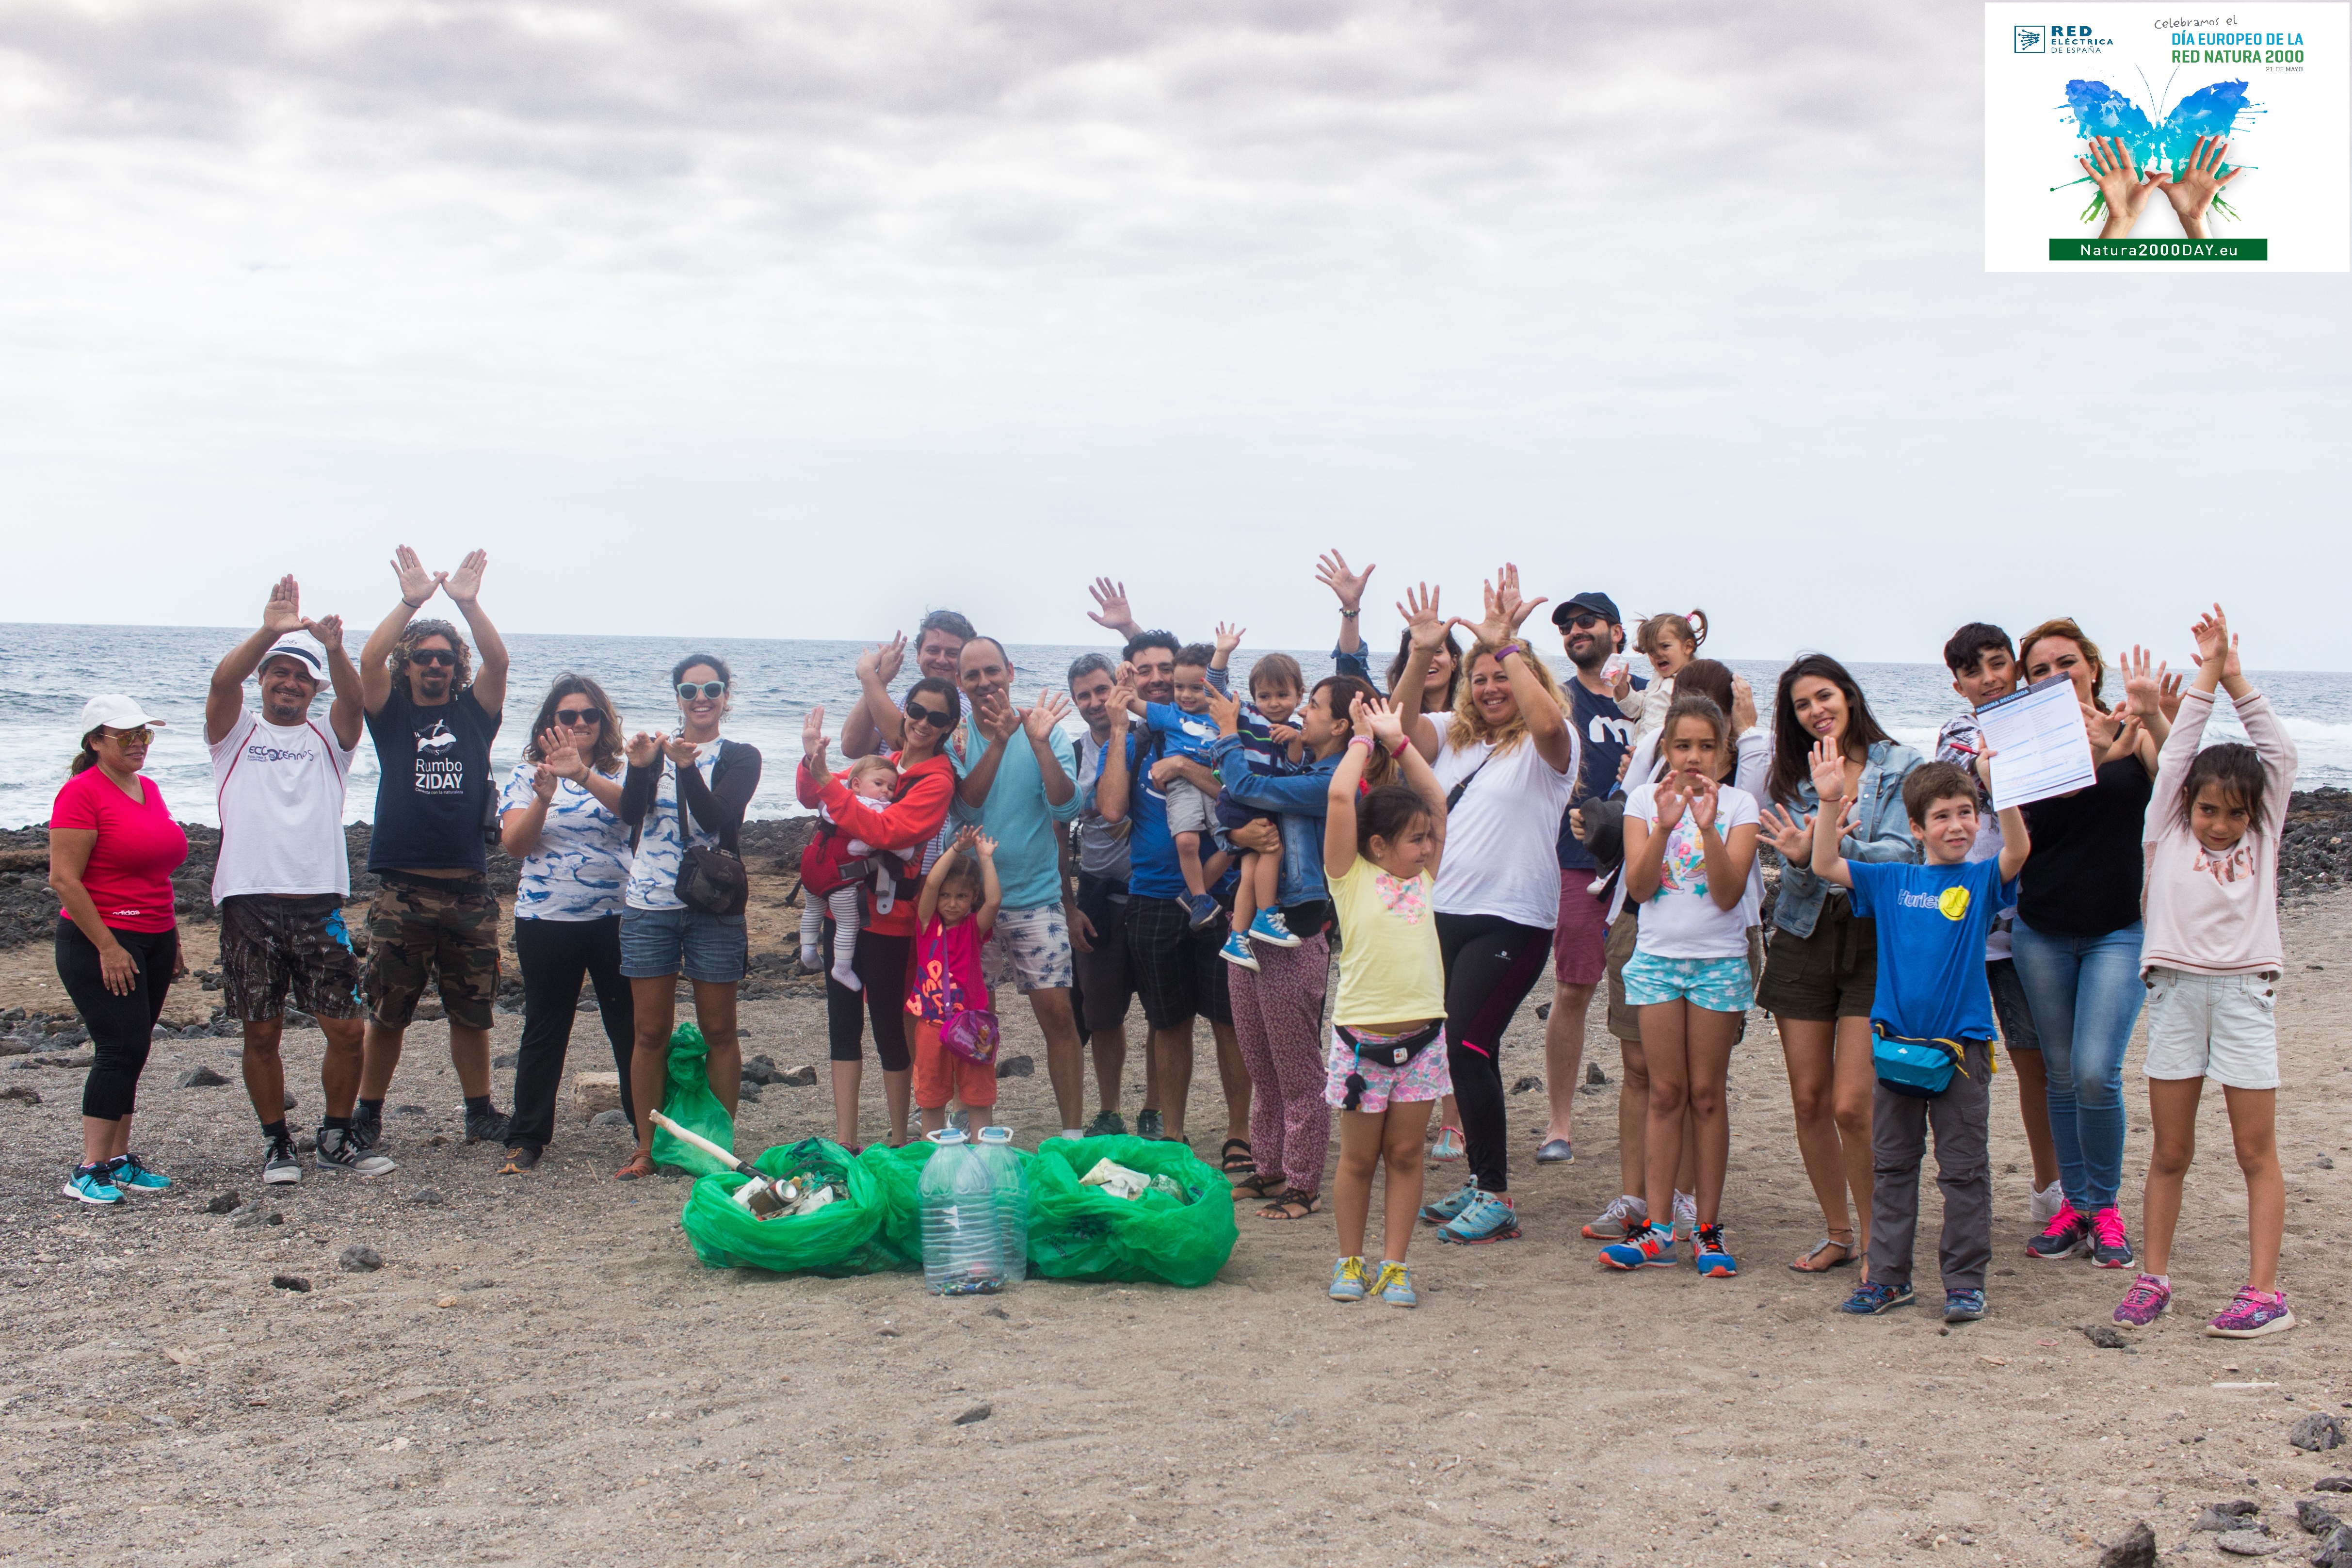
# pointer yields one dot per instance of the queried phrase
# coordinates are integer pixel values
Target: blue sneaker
(1711, 1257)
(1347, 1281)
(1490, 1218)
(1269, 927)
(89, 1183)
(1395, 1285)
(1963, 1305)
(1236, 951)
(1452, 1205)
(126, 1173)
(1869, 1300)
(1202, 908)
(1652, 1249)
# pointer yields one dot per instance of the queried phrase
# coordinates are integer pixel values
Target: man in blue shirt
(1593, 634)
(1016, 785)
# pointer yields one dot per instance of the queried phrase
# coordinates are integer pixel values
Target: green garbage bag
(843, 1238)
(1078, 1232)
(688, 1099)
(897, 1173)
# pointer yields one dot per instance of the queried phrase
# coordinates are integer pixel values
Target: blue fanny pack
(1921, 1068)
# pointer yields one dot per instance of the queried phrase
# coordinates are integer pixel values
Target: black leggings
(555, 956)
(121, 1027)
(881, 966)
(1491, 964)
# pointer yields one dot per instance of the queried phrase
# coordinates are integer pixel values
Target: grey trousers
(1898, 1142)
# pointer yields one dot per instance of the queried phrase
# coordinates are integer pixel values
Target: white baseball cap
(114, 711)
(303, 646)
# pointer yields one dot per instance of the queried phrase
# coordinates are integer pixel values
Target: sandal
(519, 1160)
(1310, 1203)
(1236, 1164)
(1264, 1185)
(639, 1166)
(1807, 1264)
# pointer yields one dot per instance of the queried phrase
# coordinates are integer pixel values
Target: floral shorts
(1717, 984)
(1031, 945)
(1423, 1078)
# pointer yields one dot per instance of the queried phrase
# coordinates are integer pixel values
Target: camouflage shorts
(269, 945)
(449, 933)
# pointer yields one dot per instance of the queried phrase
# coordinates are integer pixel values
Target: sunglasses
(714, 689)
(440, 656)
(578, 718)
(935, 718)
(1586, 623)
(139, 737)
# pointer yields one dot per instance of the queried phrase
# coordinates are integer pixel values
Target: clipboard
(2041, 746)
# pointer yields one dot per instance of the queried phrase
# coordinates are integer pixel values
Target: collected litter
(766, 1199)
(1121, 1183)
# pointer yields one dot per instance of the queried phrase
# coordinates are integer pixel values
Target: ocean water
(48, 671)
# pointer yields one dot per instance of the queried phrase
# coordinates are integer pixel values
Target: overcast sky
(793, 320)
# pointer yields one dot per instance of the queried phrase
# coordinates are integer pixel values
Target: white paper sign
(2040, 745)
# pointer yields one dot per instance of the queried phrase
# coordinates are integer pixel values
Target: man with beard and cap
(1014, 772)
(435, 812)
(283, 871)
(1593, 633)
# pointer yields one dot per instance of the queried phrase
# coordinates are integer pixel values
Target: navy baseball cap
(1594, 603)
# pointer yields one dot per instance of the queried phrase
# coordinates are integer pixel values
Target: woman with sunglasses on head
(905, 838)
(112, 850)
(692, 770)
(559, 815)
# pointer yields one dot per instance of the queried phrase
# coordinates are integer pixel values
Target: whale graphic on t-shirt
(436, 737)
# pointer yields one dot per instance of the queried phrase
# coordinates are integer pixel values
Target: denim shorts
(705, 947)
(1717, 984)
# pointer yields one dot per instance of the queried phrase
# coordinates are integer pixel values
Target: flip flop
(1555, 1151)
(1806, 1265)
(1233, 1166)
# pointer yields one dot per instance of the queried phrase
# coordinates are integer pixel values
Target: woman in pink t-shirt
(112, 850)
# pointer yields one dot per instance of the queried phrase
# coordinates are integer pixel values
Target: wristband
(1363, 741)
(1397, 750)
(418, 606)
(1508, 648)
(1349, 615)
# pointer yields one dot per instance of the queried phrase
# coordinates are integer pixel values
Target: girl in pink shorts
(1388, 1035)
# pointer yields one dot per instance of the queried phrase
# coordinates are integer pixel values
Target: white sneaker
(1686, 1216)
(1625, 1214)
(2046, 1201)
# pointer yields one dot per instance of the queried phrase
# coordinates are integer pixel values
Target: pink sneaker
(2253, 1313)
(2111, 1245)
(2147, 1300)
(2067, 1234)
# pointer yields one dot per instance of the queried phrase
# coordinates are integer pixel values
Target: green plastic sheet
(688, 1101)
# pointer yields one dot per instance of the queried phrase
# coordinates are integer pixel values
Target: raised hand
(1226, 709)
(465, 585)
(542, 782)
(812, 741)
(682, 751)
(1789, 832)
(1421, 618)
(1743, 705)
(1620, 685)
(1111, 609)
(1984, 766)
(1228, 640)
(1515, 607)
(1043, 720)
(2103, 727)
(2192, 190)
(885, 660)
(1331, 571)
(1703, 803)
(983, 845)
(1387, 725)
(283, 613)
(417, 584)
(560, 754)
(2213, 640)
(645, 749)
(328, 629)
(2126, 189)
(1828, 767)
(995, 719)
(2143, 690)
(1668, 800)
(2167, 699)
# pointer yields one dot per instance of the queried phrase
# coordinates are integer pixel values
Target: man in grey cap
(283, 873)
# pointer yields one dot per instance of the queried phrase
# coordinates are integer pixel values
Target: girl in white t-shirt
(1690, 842)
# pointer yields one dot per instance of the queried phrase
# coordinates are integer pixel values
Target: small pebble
(290, 1282)
(429, 1198)
(361, 1259)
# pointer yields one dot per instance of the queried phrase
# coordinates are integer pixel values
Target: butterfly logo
(2166, 142)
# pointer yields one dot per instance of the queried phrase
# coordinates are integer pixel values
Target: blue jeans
(2085, 994)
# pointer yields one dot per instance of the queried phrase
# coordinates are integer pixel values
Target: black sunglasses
(714, 689)
(433, 655)
(1585, 623)
(937, 717)
(578, 718)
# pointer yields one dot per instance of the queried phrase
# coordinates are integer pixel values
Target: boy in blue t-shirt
(1932, 921)
(1184, 728)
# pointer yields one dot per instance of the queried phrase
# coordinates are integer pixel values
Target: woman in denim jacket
(1821, 971)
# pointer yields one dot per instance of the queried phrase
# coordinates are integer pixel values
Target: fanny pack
(1920, 1068)
(1385, 1053)
(973, 1035)
(711, 877)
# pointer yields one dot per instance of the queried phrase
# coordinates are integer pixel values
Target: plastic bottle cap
(948, 1135)
(996, 1135)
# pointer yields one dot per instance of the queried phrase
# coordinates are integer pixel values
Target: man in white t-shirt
(283, 872)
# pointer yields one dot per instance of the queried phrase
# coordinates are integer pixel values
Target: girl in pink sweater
(2211, 959)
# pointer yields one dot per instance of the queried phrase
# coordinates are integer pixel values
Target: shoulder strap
(1454, 795)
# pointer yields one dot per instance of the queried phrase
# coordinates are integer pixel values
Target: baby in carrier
(833, 868)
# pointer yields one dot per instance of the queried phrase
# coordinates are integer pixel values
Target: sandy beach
(542, 1371)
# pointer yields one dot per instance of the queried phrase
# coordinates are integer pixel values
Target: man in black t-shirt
(1593, 633)
(435, 917)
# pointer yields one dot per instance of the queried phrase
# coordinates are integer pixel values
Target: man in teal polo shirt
(1016, 782)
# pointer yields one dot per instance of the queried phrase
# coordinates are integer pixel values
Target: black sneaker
(279, 1167)
(1149, 1125)
(486, 1126)
(1109, 1124)
(343, 1151)
(367, 1127)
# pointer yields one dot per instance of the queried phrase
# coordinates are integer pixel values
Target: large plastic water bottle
(957, 1200)
(1011, 1190)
